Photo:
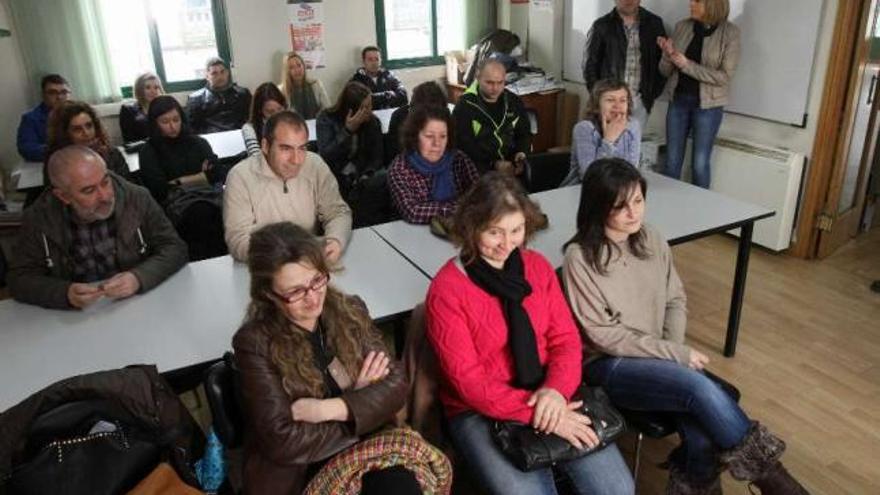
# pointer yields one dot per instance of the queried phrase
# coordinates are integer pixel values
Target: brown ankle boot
(680, 483)
(756, 459)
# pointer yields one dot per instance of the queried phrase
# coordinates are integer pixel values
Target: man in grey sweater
(92, 235)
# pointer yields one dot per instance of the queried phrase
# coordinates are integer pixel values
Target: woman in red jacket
(508, 348)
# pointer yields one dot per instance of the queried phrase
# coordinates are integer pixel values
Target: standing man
(388, 91)
(491, 124)
(221, 105)
(92, 235)
(32, 130)
(623, 45)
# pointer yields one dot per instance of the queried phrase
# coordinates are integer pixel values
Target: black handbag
(528, 449)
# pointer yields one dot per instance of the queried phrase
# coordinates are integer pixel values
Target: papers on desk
(226, 143)
(533, 83)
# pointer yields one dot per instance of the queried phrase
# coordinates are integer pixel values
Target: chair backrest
(221, 389)
(548, 170)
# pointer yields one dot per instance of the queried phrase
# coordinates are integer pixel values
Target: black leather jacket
(605, 53)
(388, 91)
(216, 111)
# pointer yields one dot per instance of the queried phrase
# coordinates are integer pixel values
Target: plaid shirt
(411, 191)
(632, 73)
(93, 250)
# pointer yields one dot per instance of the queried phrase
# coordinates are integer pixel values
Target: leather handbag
(529, 449)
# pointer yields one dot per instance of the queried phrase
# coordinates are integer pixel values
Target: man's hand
(121, 285)
(332, 249)
(81, 296)
(504, 166)
(373, 369)
(519, 163)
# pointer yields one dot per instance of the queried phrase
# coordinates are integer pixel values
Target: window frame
(402, 63)
(221, 38)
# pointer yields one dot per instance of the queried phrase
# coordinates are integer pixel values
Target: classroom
(439, 246)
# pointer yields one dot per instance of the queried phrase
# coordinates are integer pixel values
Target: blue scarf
(441, 171)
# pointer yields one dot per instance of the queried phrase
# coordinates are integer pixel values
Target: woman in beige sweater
(629, 302)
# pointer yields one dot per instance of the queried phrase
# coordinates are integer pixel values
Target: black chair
(548, 170)
(221, 390)
(658, 425)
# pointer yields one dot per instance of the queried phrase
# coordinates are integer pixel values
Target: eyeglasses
(319, 282)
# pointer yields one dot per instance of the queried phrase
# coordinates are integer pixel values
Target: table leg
(739, 288)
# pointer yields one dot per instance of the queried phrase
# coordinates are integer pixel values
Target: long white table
(188, 320)
(681, 211)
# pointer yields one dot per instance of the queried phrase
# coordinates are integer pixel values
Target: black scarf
(509, 285)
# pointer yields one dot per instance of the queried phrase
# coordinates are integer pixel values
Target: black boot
(756, 459)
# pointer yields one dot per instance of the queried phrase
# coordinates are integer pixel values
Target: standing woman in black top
(133, 120)
(177, 167)
(699, 60)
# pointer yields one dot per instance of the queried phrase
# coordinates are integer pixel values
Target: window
(414, 33)
(172, 38)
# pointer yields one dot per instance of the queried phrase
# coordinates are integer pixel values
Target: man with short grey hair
(91, 235)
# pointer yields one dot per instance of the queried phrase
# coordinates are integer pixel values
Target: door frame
(836, 108)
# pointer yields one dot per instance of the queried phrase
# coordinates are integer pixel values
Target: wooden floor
(807, 362)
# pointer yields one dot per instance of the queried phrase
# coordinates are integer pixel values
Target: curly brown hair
(417, 120)
(347, 326)
(59, 121)
(496, 194)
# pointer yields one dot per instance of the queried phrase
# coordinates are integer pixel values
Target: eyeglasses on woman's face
(295, 294)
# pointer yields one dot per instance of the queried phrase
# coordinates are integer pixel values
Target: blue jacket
(33, 134)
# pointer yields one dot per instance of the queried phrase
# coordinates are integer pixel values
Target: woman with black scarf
(508, 348)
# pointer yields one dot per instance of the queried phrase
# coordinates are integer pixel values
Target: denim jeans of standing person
(683, 117)
(708, 419)
(601, 473)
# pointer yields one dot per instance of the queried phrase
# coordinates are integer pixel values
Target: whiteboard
(779, 39)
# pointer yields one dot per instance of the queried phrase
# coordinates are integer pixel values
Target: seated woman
(608, 129)
(177, 167)
(267, 101)
(626, 295)
(316, 378)
(428, 177)
(306, 95)
(133, 119)
(507, 346)
(425, 94)
(349, 135)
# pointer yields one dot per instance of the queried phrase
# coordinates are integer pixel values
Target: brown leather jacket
(279, 450)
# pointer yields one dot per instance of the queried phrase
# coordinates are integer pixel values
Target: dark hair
(346, 326)
(350, 99)
(160, 106)
(605, 181)
(417, 119)
(52, 79)
(592, 113)
(212, 61)
(59, 121)
(428, 93)
(265, 92)
(369, 48)
(288, 117)
(494, 195)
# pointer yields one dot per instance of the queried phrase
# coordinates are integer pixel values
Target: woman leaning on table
(508, 349)
(699, 60)
(317, 383)
(626, 295)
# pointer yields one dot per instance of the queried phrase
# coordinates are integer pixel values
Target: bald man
(491, 125)
(91, 235)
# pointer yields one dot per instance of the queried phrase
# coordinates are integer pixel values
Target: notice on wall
(307, 30)
(543, 5)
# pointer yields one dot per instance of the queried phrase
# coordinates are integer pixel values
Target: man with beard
(91, 235)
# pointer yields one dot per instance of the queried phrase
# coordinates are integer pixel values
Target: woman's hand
(374, 369)
(575, 428)
(679, 60)
(354, 120)
(613, 125)
(549, 407)
(666, 45)
(310, 410)
(697, 360)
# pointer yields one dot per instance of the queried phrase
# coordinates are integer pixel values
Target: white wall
(16, 97)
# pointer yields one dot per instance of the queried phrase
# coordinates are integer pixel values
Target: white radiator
(761, 175)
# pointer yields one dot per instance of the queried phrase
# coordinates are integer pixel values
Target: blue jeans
(602, 472)
(707, 418)
(685, 115)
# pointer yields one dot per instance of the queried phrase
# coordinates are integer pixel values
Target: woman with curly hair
(316, 380)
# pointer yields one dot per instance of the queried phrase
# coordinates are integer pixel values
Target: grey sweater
(638, 309)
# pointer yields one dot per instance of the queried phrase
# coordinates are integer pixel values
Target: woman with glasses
(316, 380)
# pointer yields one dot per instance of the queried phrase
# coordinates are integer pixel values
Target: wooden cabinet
(544, 104)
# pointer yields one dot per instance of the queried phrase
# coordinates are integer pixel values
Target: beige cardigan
(719, 60)
(638, 309)
(255, 196)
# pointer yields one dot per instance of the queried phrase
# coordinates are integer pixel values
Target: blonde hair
(716, 11)
(286, 81)
(140, 87)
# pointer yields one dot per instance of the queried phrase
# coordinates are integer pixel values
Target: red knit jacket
(467, 329)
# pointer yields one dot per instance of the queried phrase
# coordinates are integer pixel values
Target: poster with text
(307, 30)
